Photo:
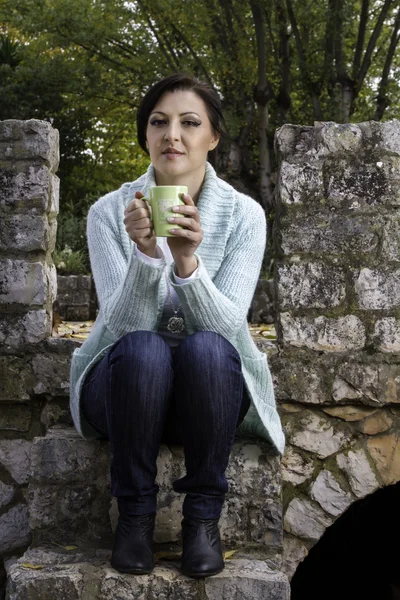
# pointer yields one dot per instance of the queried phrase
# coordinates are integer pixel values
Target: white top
(163, 252)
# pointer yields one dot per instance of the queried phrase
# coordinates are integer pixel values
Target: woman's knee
(205, 346)
(140, 348)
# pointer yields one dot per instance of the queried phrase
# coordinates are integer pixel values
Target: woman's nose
(172, 133)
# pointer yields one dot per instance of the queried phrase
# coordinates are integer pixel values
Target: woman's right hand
(139, 225)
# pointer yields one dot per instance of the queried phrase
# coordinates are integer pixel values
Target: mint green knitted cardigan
(132, 293)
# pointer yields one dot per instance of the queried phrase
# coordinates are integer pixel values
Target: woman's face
(179, 136)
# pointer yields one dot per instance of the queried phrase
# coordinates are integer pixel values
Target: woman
(136, 382)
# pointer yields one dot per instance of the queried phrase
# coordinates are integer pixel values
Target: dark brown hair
(179, 82)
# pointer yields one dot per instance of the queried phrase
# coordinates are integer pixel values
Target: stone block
(356, 184)
(24, 233)
(18, 330)
(309, 285)
(385, 452)
(314, 433)
(6, 494)
(327, 491)
(390, 136)
(64, 457)
(14, 527)
(15, 457)
(306, 381)
(387, 335)
(323, 334)
(15, 417)
(300, 183)
(30, 140)
(306, 519)
(391, 239)
(357, 468)
(29, 189)
(24, 282)
(51, 372)
(296, 468)
(337, 138)
(372, 384)
(76, 297)
(89, 575)
(378, 289)
(327, 233)
(16, 379)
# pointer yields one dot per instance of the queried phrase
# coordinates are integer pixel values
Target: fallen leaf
(69, 548)
(229, 553)
(30, 566)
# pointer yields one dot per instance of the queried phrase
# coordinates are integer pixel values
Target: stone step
(89, 576)
(69, 493)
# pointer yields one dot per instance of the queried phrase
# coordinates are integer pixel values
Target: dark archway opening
(358, 557)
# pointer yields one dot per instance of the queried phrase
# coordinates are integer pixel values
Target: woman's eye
(157, 122)
(191, 123)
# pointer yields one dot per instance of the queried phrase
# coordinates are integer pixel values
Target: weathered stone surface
(24, 233)
(361, 477)
(389, 136)
(77, 576)
(385, 451)
(15, 457)
(337, 138)
(30, 328)
(310, 285)
(63, 456)
(330, 234)
(378, 289)
(349, 413)
(33, 139)
(304, 381)
(23, 282)
(296, 468)
(262, 308)
(15, 417)
(328, 493)
(376, 423)
(391, 239)
(374, 384)
(358, 184)
(294, 552)
(51, 374)
(16, 379)
(306, 519)
(6, 494)
(14, 528)
(256, 580)
(316, 434)
(321, 333)
(300, 183)
(28, 189)
(387, 335)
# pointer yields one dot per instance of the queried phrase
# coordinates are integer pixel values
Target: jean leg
(136, 392)
(208, 393)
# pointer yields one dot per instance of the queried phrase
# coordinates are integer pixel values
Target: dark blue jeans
(143, 392)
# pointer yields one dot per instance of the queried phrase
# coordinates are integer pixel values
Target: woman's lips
(172, 155)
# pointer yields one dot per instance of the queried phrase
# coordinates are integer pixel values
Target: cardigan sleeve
(221, 304)
(127, 288)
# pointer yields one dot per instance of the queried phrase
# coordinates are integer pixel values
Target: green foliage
(70, 262)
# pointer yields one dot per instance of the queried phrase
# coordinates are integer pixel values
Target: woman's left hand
(185, 241)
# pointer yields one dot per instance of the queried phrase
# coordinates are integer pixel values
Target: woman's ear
(214, 142)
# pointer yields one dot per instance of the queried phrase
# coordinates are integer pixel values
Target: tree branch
(360, 38)
(382, 99)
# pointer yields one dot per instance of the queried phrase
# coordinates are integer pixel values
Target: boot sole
(133, 571)
(202, 575)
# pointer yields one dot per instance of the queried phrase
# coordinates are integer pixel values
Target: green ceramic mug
(162, 199)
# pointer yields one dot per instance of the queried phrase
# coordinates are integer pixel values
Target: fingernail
(172, 230)
(176, 208)
(170, 219)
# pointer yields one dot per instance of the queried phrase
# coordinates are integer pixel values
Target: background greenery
(84, 65)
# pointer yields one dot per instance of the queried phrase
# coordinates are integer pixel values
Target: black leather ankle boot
(132, 549)
(202, 553)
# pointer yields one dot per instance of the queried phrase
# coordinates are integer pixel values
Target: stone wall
(337, 369)
(28, 211)
(76, 297)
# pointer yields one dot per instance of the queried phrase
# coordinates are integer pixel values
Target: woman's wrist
(185, 267)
